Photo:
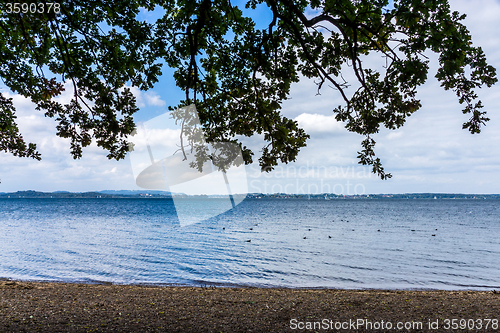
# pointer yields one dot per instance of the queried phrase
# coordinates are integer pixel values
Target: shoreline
(203, 284)
(78, 307)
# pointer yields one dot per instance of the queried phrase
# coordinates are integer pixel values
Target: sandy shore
(64, 307)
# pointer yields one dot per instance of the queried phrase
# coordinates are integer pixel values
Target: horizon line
(253, 193)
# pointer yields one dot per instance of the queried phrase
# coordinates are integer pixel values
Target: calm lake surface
(391, 244)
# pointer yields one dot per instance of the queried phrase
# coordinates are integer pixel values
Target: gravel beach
(66, 307)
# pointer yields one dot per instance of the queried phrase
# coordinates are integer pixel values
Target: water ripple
(441, 244)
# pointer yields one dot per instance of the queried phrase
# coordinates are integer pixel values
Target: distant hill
(59, 194)
(100, 194)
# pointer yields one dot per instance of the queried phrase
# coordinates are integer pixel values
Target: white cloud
(153, 98)
(318, 123)
(149, 98)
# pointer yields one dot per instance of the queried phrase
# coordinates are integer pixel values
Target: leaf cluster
(238, 75)
(96, 46)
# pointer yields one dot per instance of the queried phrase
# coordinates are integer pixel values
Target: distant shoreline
(167, 195)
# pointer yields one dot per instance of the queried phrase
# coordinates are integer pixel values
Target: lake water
(391, 244)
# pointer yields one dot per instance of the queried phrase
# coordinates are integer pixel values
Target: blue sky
(431, 153)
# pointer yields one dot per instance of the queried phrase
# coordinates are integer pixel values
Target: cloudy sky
(431, 153)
